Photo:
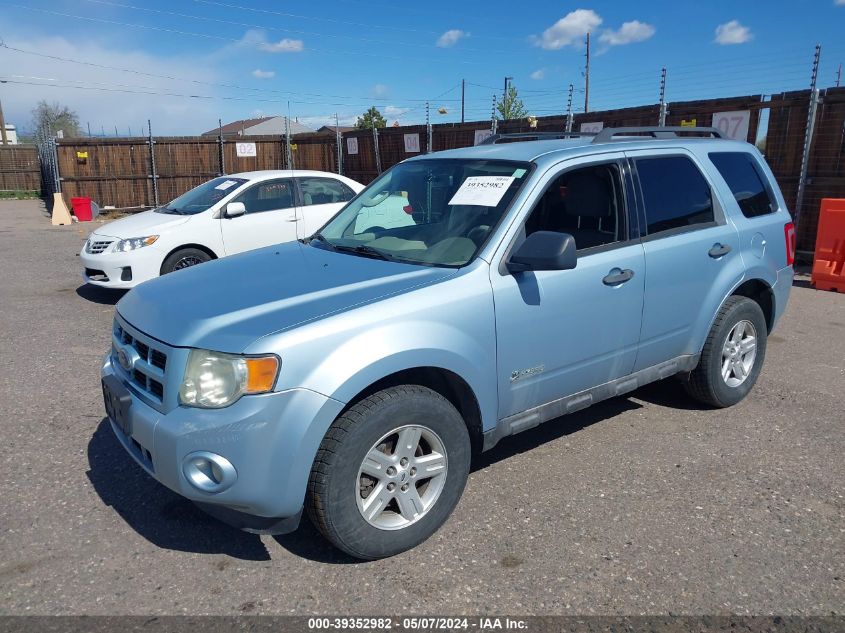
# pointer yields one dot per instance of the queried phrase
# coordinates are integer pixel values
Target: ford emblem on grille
(124, 359)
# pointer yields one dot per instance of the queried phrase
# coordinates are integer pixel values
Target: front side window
(268, 196)
(675, 193)
(203, 197)
(433, 212)
(324, 191)
(740, 171)
(587, 203)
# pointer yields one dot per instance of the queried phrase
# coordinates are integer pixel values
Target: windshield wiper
(366, 251)
(320, 238)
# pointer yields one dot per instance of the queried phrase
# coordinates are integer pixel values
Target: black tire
(705, 383)
(184, 258)
(334, 482)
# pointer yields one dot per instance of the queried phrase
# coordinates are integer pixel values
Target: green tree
(370, 119)
(513, 108)
(47, 119)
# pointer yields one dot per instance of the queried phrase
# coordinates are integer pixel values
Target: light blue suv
(353, 374)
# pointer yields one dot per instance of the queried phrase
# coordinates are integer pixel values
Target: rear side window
(675, 193)
(741, 172)
(324, 191)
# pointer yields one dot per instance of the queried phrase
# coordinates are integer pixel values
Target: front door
(560, 332)
(270, 218)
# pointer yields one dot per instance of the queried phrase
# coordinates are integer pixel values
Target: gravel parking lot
(641, 505)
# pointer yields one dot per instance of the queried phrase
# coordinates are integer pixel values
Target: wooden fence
(135, 172)
(19, 168)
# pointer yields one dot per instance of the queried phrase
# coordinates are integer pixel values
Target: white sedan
(224, 216)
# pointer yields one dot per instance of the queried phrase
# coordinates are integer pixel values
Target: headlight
(135, 242)
(214, 379)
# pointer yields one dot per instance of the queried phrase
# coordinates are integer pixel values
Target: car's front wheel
(184, 258)
(732, 356)
(389, 472)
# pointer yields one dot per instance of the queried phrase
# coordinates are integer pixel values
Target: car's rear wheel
(732, 355)
(389, 472)
(184, 258)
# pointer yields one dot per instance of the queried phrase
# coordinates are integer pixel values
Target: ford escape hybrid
(353, 373)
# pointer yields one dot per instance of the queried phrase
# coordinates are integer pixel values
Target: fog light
(209, 472)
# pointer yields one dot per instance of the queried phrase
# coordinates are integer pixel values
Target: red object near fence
(82, 209)
(829, 260)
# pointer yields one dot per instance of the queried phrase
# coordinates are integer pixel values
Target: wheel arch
(201, 247)
(760, 292)
(442, 381)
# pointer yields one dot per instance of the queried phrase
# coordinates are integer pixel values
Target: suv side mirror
(234, 209)
(544, 250)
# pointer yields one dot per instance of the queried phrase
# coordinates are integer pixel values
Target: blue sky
(193, 61)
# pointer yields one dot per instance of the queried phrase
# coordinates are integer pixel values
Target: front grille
(147, 373)
(95, 246)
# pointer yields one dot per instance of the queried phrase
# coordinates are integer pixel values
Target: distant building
(258, 127)
(11, 134)
(334, 129)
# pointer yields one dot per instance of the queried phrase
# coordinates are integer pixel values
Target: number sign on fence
(733, 125)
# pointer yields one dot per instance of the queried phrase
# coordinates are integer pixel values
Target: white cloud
(392, 112)
(282, 46)
(379, 90)
(145, 98)
(569, 30)
(839, 3)
(733, 33)
(263, 74)
(628, 33)
(538, 74)
(451, 37)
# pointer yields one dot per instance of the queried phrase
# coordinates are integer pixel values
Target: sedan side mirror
(234, 209)
(544, 250)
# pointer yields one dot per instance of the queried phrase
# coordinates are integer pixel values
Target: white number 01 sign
(733, 125)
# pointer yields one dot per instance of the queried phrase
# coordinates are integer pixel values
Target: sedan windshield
(436, 212)
(203, 197)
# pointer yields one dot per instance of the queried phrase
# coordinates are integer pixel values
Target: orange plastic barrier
(829, 261)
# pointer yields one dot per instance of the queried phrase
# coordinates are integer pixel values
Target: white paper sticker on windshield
(482, 191)
(226, 184)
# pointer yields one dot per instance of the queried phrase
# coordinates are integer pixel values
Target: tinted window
(675, 193)
(587, 203)
(268, 196)
(324, 191)
(740, 171)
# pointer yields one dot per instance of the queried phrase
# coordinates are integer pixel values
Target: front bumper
(144, 263)
(270, 439)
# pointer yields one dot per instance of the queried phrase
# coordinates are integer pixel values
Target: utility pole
(339, 144)
(3, 137)
(89, 130)
(493, 116)
(808, 134)
(464, 88)
(587, 78)
(838, 75)
(569, 109)
(505, 99)
(662, 122)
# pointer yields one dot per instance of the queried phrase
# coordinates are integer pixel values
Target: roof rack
(532, 136)
(608, 134)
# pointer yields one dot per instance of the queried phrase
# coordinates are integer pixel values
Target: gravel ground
(641, 505)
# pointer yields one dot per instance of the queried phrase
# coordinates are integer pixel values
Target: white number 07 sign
(733, 125)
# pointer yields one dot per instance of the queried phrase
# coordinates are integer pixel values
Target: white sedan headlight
(214, 379)
(133, 243)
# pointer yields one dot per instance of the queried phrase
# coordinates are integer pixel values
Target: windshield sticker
(482, 191)
(226, 184)
(519, 173)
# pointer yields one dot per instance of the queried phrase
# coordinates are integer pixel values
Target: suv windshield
(203, 197)
(435, 212)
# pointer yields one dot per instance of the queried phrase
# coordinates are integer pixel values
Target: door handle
(290, 218)
(719, 250)
(617, 276)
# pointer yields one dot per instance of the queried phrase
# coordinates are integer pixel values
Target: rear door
(692, 254)
(322, 197)
(270, 218)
